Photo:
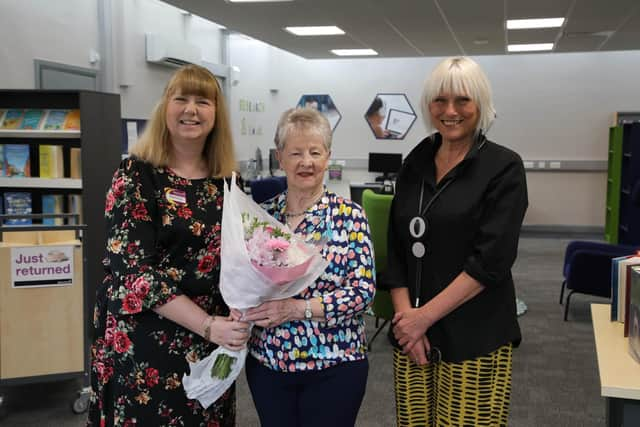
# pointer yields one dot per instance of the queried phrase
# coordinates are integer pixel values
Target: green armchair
(377, 207)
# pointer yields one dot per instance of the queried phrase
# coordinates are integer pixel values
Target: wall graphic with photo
(390, 116)
(325, 105)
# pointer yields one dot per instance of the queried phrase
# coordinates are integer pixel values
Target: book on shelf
(16, 160)
(72, 120)
(17, 203)
(2, 173)
(634, 314)
(627, 300)
(621, 284)
(32, 119)
(75, 207)
(75, 162)
(52, 204)
(614, 286)
(12, 119)
(2, 112)
(51, 161)
(55, 120)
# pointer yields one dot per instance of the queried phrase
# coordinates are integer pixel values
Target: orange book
(75, 163)
(72, 121)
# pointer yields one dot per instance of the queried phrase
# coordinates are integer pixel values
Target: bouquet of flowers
(262, 260)
(275, 252)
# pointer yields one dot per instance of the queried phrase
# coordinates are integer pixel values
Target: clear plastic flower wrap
(261, 260)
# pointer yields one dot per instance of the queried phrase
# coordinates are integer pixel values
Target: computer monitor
(386, 163)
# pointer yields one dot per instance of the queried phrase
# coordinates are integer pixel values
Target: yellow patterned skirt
(469, 393)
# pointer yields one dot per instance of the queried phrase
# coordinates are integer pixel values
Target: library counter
(619, 372)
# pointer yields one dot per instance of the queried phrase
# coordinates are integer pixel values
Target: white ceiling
(409, 28)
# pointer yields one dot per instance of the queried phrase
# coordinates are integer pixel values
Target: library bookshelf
(31, 316)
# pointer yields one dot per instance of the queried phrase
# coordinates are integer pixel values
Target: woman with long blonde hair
(159, 304)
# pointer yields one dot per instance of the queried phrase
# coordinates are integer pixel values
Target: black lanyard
(418, 227)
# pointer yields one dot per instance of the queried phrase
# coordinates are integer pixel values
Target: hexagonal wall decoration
(390, 116)
(325, 105)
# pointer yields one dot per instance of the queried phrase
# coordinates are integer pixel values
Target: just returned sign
(41, 266)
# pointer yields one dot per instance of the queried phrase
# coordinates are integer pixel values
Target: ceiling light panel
(354, 52)
(258, 1)
(328, 30)
(521, 24)
(530, 47)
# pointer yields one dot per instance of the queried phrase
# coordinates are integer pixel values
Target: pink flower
(140, 211)
(110, 202)
(141, 287)
(132, 303)
(121, 342)
(118, 187)
(206, 264)
(152, 377)
(108, 335)
(277, 245)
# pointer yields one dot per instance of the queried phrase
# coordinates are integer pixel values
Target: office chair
(587, 268)
(265, 188)
(377, 207)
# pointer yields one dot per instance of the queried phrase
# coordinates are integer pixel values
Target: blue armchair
(587, 268)
(265, 188)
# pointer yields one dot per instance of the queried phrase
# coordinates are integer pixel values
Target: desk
(619, 372)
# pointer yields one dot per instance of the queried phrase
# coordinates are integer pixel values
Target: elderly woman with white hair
(312, 347)
(455, 221)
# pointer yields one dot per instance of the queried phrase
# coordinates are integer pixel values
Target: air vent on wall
(171, 52)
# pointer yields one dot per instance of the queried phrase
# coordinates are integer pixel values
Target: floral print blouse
(163, 240)
(346, 288)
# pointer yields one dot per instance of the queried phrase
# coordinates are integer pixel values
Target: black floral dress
(163, 240)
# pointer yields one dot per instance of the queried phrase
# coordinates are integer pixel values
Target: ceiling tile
(527, 9)
(538, 35)
(599, 15)
(579, 43)
(628, 37)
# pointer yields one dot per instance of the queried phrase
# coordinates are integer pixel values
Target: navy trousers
(328, 397)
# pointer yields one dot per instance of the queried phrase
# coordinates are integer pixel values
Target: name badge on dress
(175, 196)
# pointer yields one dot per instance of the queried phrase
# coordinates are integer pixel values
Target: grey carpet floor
(555, 374)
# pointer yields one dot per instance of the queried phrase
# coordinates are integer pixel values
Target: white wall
(39, 29)
(550, 106)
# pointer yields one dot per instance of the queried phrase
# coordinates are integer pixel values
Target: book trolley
(45, 327)
(43, 314)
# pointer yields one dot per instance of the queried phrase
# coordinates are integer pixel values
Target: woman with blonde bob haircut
(460, 75)
(159, 304)
(455, 220)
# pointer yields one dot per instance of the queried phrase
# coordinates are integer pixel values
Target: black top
(473, 226)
